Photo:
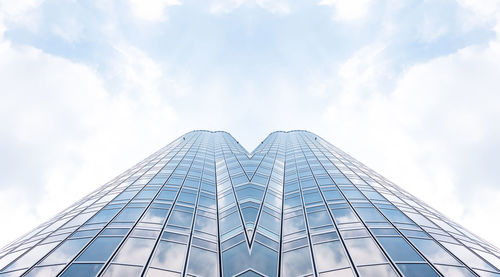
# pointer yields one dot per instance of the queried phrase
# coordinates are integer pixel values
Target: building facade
(204, 206)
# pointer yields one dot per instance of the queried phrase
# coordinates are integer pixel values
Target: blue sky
(410, 88)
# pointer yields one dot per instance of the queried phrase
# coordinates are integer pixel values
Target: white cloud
(348, 10)
(151, 10)
(434, 134)
(64, 133)
(273, 6)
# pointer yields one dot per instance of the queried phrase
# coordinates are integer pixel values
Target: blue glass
(135, 251)
(100, 249)
(344, 215)
(82, 270)
(155, 216)
(370, 215)
(396, 216)
(179, 218)
(433, 251)
(398, 249)
(129, 215)
(205, 224)
(330, 255)
(383, 270)
(103, 216)
(317, 219)
(66, 251)
(118, 270)
(169, 255)
(364, 251)
(417, 270)
(202, 262)
(297, 262)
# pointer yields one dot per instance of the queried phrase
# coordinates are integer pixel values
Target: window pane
(329, 255)
(370, 214)
(155, 216)
(434, 252)
(417, 270)
(317, 219)
(364, 251)
(116, 270)
(82, 270)
(32, 256)
(454, 271)
(66, 251)
(169, 255)
(202, 262)
(344, 215)
(45, 271)
(297, 262)
(129, 215)
(100, 249)
(135, 251)
(398, 249)
(377, 270)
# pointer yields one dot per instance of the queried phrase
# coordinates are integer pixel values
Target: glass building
(204, 206)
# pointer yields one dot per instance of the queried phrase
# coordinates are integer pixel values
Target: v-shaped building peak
(246, 178)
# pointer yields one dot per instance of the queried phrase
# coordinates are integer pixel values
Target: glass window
(353, 194)
(205, 224)
(100, 249)
(448, 270)
(167, 194)
(364, 251)
(135, 251)
(398, 249)
(332, 195)
(344, 215)
(249, 191)
(292, 202)
(270, 222)
(264, 260)
(229, 222)
(129, 215)
(103, 216)
(169, 255)
(293, 224)
(235, 259)
(82, 270)
(317, 219)
(66, 251)
(466, 256)
(433, 251)
(417, 270)
(370, 214)
(384, 270)
(202, 262)
(329, 255)
(395, 216)
(146, 194)
(117, 270)
(297, 262)
(155, 216)
(180, 219)
(45, 271)
(32, 256)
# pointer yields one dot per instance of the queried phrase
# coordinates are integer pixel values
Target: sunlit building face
(204, 206)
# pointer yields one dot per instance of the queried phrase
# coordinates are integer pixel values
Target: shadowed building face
(204, 206)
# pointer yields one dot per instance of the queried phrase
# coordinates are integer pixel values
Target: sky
(409, 88)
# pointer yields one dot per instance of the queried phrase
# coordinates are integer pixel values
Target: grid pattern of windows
(204, 206)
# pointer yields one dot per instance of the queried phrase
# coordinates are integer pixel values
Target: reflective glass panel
(398, 249)
(100, 249)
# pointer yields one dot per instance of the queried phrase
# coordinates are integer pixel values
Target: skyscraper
(204, 206)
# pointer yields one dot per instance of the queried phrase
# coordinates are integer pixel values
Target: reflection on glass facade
(204, 206)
